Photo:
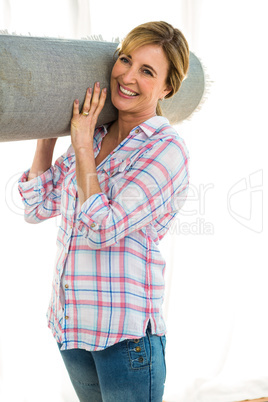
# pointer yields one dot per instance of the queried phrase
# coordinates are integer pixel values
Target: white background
(216, 299)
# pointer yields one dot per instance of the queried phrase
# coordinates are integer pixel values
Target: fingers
(101, 102)
(86, 106)
(76, 108)
(95, 97)
(95, 100)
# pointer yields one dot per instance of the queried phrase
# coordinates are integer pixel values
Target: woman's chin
(122, 104)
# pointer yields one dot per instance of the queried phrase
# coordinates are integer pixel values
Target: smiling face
(138, 81)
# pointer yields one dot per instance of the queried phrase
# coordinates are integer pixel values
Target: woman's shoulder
(162, 131)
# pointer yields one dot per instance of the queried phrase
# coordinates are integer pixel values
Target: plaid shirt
(109, 275)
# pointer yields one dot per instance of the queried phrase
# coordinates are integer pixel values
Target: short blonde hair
(172, 42)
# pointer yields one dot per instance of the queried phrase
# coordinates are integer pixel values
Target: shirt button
(137, 131)
(138, 349)
(66, 317)
(93, 225)
(66, 286)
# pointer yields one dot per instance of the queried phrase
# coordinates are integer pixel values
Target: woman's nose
(129, 75)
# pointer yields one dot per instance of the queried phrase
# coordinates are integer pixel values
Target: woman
(118, 188)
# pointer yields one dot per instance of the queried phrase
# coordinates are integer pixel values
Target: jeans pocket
(137, 353)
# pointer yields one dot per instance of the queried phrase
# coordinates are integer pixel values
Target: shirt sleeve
(41, 196)
(155, 185)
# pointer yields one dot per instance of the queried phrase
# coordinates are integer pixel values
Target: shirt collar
(150, 126)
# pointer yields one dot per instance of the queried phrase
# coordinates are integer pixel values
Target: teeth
(126, 92)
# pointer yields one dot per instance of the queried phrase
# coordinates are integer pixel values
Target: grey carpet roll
(41, 77)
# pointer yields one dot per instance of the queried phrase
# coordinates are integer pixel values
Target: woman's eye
(124, 59)
(147, 72)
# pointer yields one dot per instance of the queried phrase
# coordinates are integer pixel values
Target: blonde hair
(173, 44)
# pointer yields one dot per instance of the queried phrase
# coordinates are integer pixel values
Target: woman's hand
(83, 124)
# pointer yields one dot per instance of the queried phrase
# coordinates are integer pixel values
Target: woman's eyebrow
(150, 67)
(145, 65)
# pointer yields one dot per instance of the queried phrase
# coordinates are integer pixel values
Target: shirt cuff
(35, 190)
(93, 210)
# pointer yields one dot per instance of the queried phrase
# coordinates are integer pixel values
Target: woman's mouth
(126, 92)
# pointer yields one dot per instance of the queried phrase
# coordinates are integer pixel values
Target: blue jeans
(133, 370)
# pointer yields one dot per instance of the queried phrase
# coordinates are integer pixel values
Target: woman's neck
(126, 122)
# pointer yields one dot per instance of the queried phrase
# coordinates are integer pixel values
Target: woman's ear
(166, 91)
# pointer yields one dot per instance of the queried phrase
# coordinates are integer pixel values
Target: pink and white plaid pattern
(109, 274)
